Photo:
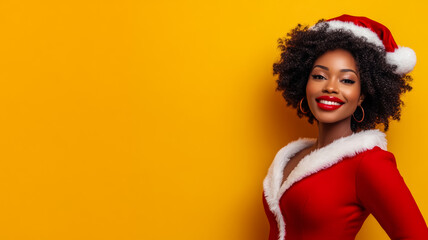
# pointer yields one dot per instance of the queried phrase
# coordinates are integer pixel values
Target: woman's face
(333, 90)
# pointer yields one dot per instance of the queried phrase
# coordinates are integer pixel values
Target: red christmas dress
(332, 190)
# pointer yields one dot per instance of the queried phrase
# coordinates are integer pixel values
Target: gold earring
(362, 109)
(300, 106)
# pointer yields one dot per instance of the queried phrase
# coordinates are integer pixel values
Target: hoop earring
(300, 106)
(358, 121)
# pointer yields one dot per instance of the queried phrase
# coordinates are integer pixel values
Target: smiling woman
(347, 74)
(382, 79)
(333, 88)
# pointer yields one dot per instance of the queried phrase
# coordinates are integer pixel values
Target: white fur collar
(313, 162)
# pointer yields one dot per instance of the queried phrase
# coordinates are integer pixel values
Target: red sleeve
(381, 189)
(273, 232)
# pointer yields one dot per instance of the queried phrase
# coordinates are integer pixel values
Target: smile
(329, 103)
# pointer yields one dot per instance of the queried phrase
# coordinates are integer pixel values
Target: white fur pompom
(404, 58)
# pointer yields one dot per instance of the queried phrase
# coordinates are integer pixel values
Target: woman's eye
(349, 81)
(318, 77)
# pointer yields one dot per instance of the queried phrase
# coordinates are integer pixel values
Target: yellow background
(158, 119)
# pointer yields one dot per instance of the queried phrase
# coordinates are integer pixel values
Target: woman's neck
(328, 132)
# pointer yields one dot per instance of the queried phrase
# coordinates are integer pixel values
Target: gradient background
(158, 119)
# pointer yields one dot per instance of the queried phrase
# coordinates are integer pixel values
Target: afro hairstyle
(380, 86)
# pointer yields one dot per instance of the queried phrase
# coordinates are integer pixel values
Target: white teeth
(329, 102)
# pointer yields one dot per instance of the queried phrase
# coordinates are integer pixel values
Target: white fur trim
(354, 29)
(272, 182)
(313, 162)
(404, 58)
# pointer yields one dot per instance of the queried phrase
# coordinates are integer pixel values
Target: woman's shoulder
(377, 161)
(377, 154)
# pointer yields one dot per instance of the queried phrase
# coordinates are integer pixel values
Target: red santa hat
(403, 57)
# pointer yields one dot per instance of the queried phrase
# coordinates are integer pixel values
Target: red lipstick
(329, 103)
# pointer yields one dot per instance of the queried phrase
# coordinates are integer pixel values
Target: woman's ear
(361, 99)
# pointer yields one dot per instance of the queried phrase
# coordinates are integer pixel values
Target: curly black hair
(380, 86)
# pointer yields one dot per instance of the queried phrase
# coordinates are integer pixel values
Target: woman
(347, 74)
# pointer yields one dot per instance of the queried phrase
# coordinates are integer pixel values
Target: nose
(330, 86)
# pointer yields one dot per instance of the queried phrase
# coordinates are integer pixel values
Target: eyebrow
(320, 66)
(342, 70)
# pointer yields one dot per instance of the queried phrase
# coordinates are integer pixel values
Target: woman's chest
(326, 195)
